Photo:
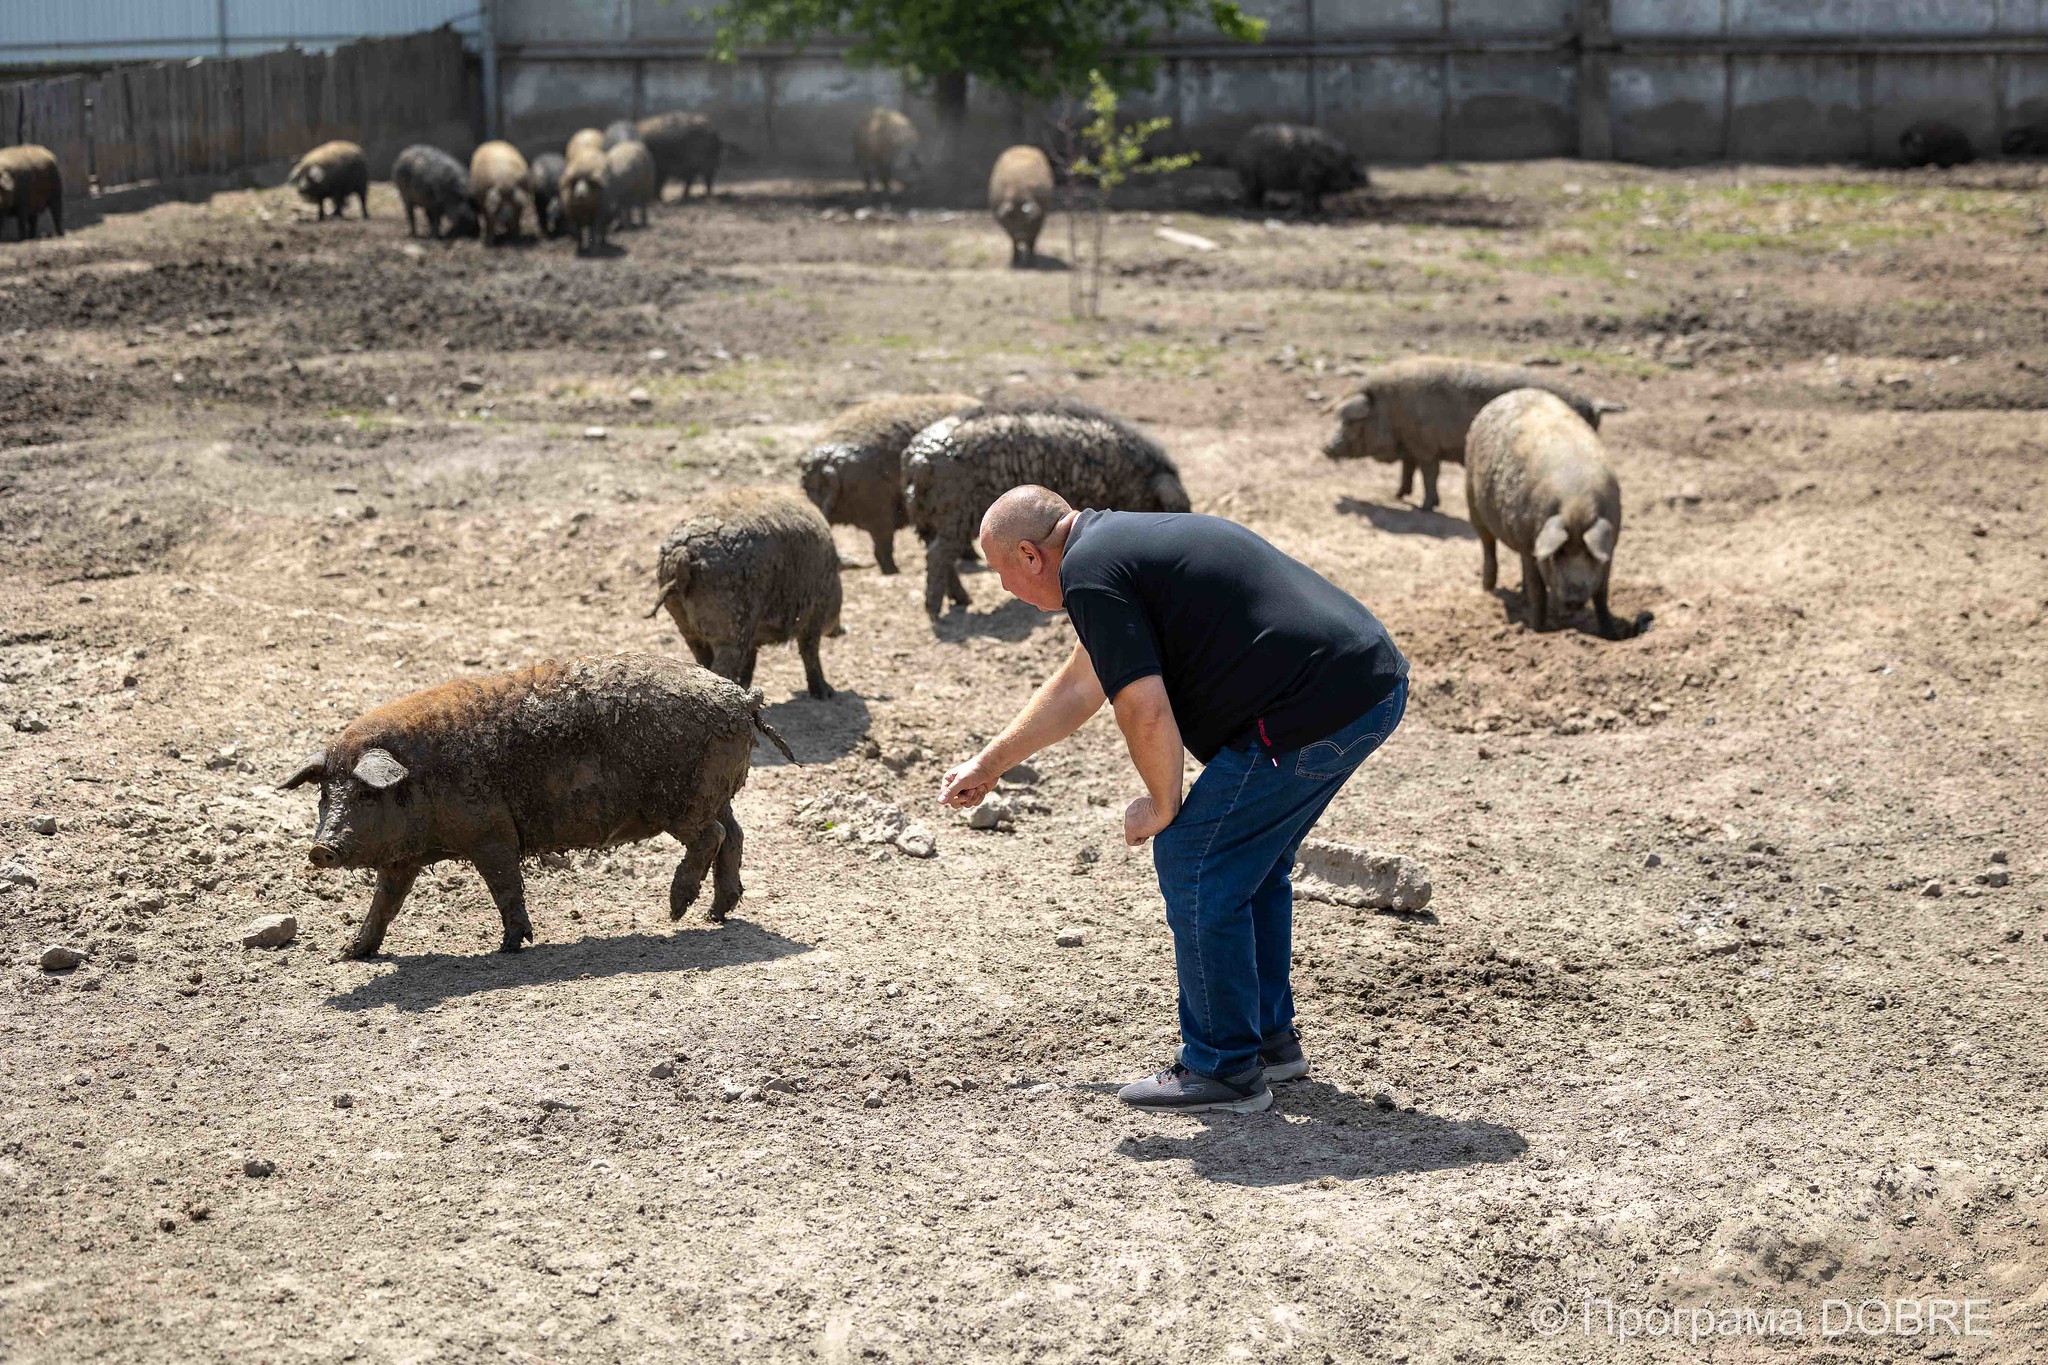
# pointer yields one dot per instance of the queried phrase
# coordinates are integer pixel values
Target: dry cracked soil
(1732, 991)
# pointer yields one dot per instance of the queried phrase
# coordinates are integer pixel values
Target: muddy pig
(583, 754)
(959, 465)
(545, 179)
(498, 187)
(430, 181)
(1930, 142)
(1417, 411)
(332, 172)
(629, 180)
(1020, 196)
(854, 475)
(686, 147)
(751, 567)
(1293, 159)
(1537, 481)
(581, 139)
(585, 203)
(885, 146)
(30, 183)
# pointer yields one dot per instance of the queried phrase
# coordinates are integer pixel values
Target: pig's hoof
(822, 692)
(511, 944)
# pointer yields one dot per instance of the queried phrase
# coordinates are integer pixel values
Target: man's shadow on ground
(425, 980)
(1315, 1130)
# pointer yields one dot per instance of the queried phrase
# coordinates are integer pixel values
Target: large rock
(61, 957)
(272, 931)
(1339, 874)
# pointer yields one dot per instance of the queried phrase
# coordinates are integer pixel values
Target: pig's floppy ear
(378, 769)
(828, 478)
(1356, 408)
(1551, 538)
(1600, 539)
(314, 770)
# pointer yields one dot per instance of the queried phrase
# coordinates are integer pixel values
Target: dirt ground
(1731, 994)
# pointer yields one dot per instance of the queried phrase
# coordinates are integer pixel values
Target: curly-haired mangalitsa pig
(330, 173)
(498, 188)
(30, 185)
(583, 754)
(1933, 142)
(586, 208)
(629, 180)
(1418, 410)
(584, 139)
(686, 147)
(545, 179)
(854, 475)
(431, 182)
(751, 567)
(1290, 158)
(959, 465)
(1537, 480)
(1020, 197)
(885, 147)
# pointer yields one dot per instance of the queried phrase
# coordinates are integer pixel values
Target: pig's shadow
(1408, 521)
(1014, 620)
(1514, 605)
(817, 731)
(1314, 1130)
(428, 979)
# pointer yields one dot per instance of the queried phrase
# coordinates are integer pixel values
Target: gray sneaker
(1178, 1090)
(1280, 1056)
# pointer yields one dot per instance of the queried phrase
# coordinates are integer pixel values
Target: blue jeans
(1223, 867)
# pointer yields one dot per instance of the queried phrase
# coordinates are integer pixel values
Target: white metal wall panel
(43, 31)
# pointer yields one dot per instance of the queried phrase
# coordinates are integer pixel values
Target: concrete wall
(1401, 80)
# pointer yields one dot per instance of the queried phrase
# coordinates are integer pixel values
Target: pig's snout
(323, 855)
(1334, 448)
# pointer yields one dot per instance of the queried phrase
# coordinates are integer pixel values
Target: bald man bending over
(1201, 634)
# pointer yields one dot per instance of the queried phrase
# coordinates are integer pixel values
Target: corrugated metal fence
(166, 120)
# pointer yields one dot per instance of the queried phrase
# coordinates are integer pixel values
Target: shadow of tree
(1315, 1130)
(1408, 521)
(428, 979)
(818, 731)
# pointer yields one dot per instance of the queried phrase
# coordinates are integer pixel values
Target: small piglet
(583, 754)
(1537, 480)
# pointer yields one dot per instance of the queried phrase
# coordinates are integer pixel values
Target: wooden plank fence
(161, 121)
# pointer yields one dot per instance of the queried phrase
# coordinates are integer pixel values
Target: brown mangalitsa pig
(885, 147)
(750, 567)
(629, 180)
(586, 207)
(1417, 410)
(499, 188)
(583, 754)
(1020, 197)
(1537, 480)
(30, 183)
(332, 172)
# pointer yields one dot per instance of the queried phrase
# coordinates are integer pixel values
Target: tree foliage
(1037, 48)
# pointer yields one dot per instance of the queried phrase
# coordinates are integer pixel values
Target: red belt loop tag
(1267, 742)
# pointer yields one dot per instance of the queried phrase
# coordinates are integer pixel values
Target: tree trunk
(949, 99)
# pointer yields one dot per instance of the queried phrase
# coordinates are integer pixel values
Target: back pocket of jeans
(1326, 758)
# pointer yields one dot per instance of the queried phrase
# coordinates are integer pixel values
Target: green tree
(1040, 49)
(1102, 155)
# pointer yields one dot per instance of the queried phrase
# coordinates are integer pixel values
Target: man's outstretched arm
(1060, 706)
(1145, 715)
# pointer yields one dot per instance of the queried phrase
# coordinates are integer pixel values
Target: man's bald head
(1023, 514)
(1022, 540)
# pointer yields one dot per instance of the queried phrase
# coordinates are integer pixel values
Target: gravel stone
(257, 1168)
(44, 824)
(17, 873)
(272, 931)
